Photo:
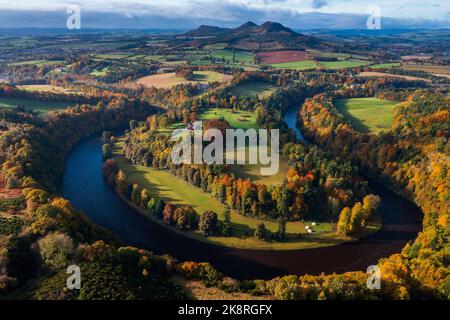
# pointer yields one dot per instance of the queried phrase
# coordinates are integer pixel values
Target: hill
(249, 36)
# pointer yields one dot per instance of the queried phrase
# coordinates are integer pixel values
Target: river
(88, 191)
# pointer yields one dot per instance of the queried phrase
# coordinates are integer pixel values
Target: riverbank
(163, 185)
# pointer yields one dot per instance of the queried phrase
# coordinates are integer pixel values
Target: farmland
(237, 119)
(298, 65)
(273, 57)
(382, 74)
(168, 80)
(367, 115)
(343, 64)
(44, 88)
(38, 106)
(385, 65)
(252, 89)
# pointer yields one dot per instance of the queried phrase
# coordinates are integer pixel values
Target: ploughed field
(284, 56)
(367, 115)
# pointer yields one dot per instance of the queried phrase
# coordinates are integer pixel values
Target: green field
(297, 65)
(240, 56)
(215, 46)
(100, 73)
(237, 119)
(251, 89)
(386, 65)
(343, 64)
(164, 185)
(35, 105)
(367, 115)
(37, 62)
(112, 56)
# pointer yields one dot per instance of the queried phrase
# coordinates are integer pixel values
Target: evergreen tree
(226, 226)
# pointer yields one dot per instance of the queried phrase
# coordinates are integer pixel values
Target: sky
(225, 12)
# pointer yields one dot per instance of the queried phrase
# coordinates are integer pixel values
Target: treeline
(184, 218)
(413, 159)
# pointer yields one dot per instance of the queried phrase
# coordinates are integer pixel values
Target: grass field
(343, 64)
(45, 88)
(386, 65)
(168, 80)
(35, 105)
(112, 56)
(367, 115)
(239, 56)
(298, 65)
(161, 183)
(251, 89)
(37, 62)
(237, 119)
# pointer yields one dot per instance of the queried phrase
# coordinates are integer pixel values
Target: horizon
(180, 14)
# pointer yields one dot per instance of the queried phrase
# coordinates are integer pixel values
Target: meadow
(386, 65)
(237, 119)
(297, 65)
(254, 88)
(367, 115)
(38, 106)
(343, 64)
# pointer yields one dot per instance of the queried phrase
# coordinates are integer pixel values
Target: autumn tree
(208, 223)
(343, 225)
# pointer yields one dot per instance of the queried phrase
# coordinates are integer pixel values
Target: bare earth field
(282, 56)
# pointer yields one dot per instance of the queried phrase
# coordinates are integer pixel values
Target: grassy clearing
(253, 172)
(100, 73)
(38, 106)
(237, 119)
(297, 65)
(255, 88)
(343, 64)
(367, 115)
(162, 184)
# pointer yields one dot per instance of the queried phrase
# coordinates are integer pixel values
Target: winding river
(88, 191)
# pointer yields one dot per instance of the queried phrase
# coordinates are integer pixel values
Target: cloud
(317, 4)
